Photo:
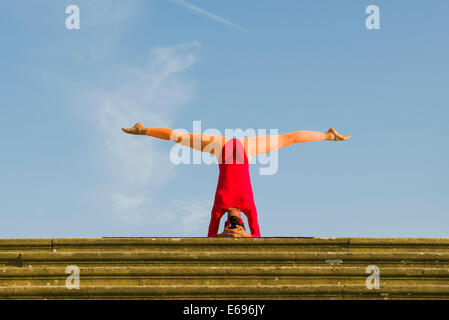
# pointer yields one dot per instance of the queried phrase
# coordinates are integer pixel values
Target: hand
(238, 232)
(137, 129)
(242, 233)
(227, 233)
(333, 135)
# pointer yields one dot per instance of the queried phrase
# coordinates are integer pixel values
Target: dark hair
(234, 221)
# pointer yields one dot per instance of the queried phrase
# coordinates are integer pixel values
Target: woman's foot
(137, 129)
(333, 135)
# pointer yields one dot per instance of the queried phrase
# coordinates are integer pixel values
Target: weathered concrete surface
(242, 268)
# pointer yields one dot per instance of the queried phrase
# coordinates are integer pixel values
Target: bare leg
(270, 143)
(201, 142)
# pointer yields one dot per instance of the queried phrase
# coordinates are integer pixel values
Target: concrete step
(335, 275)
(220, 244)
(241, 291)
(204, 268)
(139, 258)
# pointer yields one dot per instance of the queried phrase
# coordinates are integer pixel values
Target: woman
(234, 192)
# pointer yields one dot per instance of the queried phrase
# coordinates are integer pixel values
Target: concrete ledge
(206, 268)
(229, 292)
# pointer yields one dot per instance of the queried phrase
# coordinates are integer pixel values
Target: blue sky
(67, 170)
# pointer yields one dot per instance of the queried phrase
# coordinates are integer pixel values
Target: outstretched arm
(251, 215)
(265, 144)
(201, 142)
(215, 222)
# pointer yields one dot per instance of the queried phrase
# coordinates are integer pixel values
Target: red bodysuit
(234, 188)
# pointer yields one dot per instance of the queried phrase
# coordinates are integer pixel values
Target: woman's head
(234, 212)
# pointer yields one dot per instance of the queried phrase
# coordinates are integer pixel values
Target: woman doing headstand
(234, 192)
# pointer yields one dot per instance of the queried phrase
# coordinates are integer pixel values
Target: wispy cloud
(208, 14)
(151, 95)
(128, 203)
(136, 166)
(193, 216)
(174, 217)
